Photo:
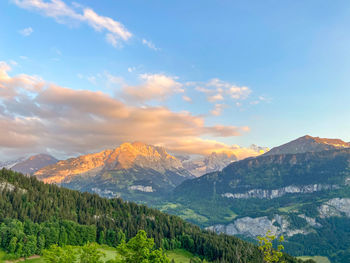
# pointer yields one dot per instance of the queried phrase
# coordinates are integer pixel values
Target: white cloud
(26, 31)
(239, 93)
(149, 44)
(62, 13)
(131, 69)
(216, 90)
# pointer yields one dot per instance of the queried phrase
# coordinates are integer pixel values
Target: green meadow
(179, 256)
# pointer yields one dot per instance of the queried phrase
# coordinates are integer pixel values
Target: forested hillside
(303, 196)
(41, 214)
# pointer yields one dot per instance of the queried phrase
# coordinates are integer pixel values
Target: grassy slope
(179, 255)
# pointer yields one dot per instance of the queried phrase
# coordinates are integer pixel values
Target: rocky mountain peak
(126, 156)
(210, 163)
(308, 143)
(34, 163)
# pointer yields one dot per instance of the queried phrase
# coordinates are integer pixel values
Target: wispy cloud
(62, 13)
(36, 116)
(217, 90)
(149, 44)
(186, 98)
(131, 69)
(26, 32)
(217, 109)
(220, 88)
(153, 87)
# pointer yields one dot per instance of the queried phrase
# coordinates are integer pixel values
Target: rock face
(34, 163)
(259, 226)
(308, 144)
(132, 167)
(274, 193)
(335, 207)
(207, 164)
(280, 225)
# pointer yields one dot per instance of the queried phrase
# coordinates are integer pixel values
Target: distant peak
(308, 143)
(307, 137)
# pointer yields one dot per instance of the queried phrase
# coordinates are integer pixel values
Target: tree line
(62, 212)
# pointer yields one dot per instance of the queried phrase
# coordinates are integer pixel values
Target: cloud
(216, 89)
(186, 98)
(63, 13)
(37, 116)
(217, 109)
(154, 87)
(261, 99)
(149, 44)
(200, 146)
(9, 85)
(215, 97)
(131, 69)
(26, 31)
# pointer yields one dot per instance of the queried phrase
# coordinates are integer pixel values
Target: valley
(301, 195)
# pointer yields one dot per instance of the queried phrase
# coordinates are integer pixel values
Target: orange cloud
(154, 87)
(36, 116)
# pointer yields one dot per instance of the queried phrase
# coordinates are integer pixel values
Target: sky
(193, 76)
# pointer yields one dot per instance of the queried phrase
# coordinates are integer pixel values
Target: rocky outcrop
(104, 192)
(311, 221)
(142, 188)
(6, 186)
(10, 187)
(274, 193)
(335, 207)
(253, 227)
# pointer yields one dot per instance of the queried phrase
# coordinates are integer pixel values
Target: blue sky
(281, 68)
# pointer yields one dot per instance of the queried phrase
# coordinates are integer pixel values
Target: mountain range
(134, 171)
(300, 189)
(29, 165)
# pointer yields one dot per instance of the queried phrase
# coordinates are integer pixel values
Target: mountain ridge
(126, 156)
(304, 196)
(308, 143)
